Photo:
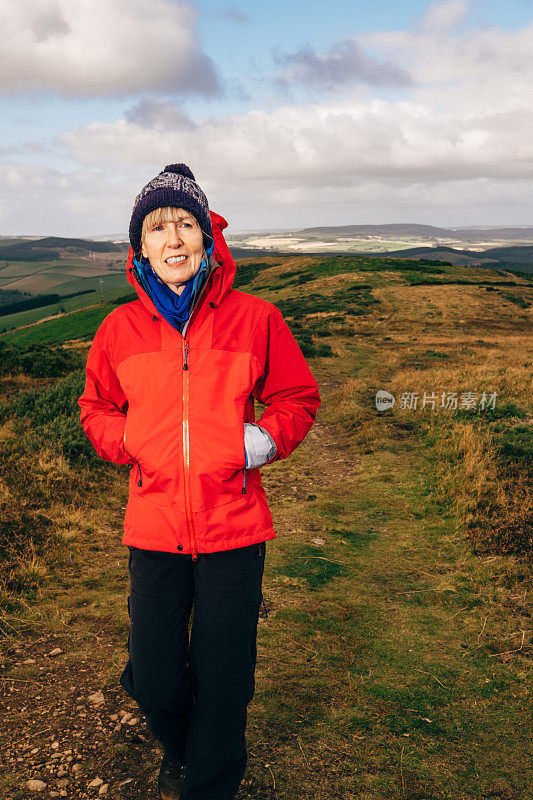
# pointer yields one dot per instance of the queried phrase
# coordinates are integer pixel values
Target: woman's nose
(174, 237)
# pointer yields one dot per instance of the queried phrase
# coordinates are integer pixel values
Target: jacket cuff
(259, 445)
(273, 446)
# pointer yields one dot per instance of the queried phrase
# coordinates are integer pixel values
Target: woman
(170, 388)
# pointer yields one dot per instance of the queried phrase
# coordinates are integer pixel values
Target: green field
(63, 276)
(69, 304)
(76, 325)
(106, 276)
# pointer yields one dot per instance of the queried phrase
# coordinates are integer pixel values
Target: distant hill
(519, 258)
(512, 255)
(443, 253)
(52, 247)
(396, 229)
(482, 234)
(409, 229)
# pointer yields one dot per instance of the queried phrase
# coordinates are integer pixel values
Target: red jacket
(174, 407)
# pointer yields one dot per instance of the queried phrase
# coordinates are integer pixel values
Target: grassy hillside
(74, 325)
(276, 279)
(395, 649)
(52, 247)
(65, 326)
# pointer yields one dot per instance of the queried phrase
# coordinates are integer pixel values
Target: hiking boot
(171, 778)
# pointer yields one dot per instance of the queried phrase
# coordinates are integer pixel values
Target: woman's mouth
(175, 259)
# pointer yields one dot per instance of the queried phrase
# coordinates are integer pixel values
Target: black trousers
(195, 694)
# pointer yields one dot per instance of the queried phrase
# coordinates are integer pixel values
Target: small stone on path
(97, 698)
(36, 786)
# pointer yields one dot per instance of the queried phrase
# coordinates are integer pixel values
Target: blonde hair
(165, 214)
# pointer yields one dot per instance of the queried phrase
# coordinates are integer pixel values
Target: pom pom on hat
(179, 169)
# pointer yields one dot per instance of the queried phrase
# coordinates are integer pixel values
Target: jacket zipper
(187, 473)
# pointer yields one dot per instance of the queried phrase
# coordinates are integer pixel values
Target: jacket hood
(220, 279)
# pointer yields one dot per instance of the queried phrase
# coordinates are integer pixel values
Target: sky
(290, 115)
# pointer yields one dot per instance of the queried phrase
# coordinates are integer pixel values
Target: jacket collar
(219, 280)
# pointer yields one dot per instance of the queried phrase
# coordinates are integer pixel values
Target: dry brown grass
(493, 508)
(463, 351)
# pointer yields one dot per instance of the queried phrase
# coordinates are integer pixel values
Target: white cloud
(44, 201)
(103, 47)
(443, 15)
(483, 71)
(85, 202)
(374, 161)
(321, 145)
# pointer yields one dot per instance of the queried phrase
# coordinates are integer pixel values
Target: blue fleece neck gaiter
(173, 307)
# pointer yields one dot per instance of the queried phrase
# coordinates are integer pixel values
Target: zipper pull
(185, 363)
(140, 481)
(243, 490)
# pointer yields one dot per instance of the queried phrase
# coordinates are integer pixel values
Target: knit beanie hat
(175, 186)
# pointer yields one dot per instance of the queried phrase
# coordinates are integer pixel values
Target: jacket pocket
(150, 484)
(153, 475)
(218, 464)
(137, 473)
(135, 436)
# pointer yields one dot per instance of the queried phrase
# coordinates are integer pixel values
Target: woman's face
(175, 250)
